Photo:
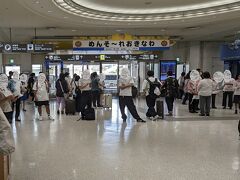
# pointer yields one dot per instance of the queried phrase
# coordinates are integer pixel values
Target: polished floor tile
(186, 147)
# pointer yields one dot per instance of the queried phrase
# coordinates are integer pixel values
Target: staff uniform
(86, 96)
(228, 91)
(125, 99)
(205, 88)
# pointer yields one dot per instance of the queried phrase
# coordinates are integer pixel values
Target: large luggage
(160, 108)
(89, 114)
(70, 107)
(106, 100)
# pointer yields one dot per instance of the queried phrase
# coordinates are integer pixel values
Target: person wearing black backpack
(171, 86)
(151, 87)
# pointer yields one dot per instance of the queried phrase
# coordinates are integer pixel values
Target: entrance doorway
(12, 68)
(53, 69)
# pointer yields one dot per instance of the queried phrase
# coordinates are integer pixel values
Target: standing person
(195, 97)
(6, 98)
(236, 98)
(185, 88)
(214, 94)
(95, 85)
(181, 81)
(205, 88)
(125, 84)
(24, 91)
(14, 85)
(40, 89)
(76, 93)
(151, 87)
(30, 84)
(228, 91)
(10, 73)
(85, 87)
(68, 79)
(61, 90)
(171, 86)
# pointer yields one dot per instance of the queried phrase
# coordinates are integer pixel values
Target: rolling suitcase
(107, 101)
(160, 108)
(89, 114)
(70, 108)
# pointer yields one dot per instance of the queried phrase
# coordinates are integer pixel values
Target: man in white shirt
(149, 87)
(40, 89)
(125, 96)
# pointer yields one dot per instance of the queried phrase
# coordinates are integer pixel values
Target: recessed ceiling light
(73, 30)
(65, 17)
(148, 3)
(49, 11)
(37, 2)
(119, 30)
(155, 23)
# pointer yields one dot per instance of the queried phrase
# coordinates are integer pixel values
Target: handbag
(65, 95)
(77, 90)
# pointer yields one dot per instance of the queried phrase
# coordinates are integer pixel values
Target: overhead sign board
(24, 48)
(121, 45)
(43, 48)
(102, 57)
(19, 48)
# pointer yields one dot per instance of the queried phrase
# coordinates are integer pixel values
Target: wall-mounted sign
(109, 45)
(102, 57)
(19, 48)
(23, 48)
(43, 48)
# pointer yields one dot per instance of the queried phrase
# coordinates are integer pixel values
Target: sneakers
(141, 120)
(40, 118)
(50, 118)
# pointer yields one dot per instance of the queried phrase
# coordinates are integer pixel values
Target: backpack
(154, 89)
(134, 92)
(171, 87)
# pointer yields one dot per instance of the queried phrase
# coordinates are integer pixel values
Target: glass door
(110, 70)
(54, 71)
(78, 69)
(12, 68)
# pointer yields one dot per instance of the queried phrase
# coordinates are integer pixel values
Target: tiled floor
(186, 147)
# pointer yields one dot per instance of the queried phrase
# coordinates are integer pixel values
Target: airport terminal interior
(125, 90)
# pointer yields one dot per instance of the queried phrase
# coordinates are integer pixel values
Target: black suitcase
(89, 114)
(70, 107)
(160, 108)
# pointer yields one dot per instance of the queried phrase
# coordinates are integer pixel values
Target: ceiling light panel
(211, 8)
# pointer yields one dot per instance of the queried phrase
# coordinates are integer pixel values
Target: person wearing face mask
(228, 90)
(86, 95)
(23, 79)
(14, 85)
(40, 89)
(6, 98)
(125, 84)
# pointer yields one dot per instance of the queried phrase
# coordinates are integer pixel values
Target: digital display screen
(166, 66)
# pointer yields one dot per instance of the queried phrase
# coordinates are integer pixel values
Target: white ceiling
(25, 15)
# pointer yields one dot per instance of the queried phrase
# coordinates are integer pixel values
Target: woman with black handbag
(77, 93)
